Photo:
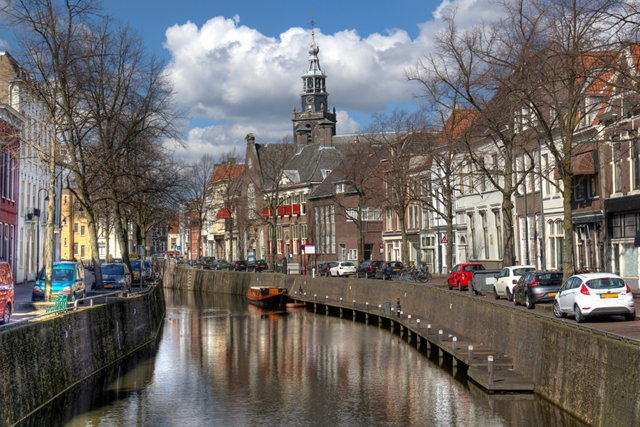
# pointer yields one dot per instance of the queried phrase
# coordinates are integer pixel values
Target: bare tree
(359, 177)
(197, 188)
(401, 136)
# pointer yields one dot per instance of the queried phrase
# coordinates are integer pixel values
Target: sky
(236, 66)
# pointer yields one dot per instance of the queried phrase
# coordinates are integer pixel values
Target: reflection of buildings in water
(289, 361)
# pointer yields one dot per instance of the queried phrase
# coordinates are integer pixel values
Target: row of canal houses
(310, 207)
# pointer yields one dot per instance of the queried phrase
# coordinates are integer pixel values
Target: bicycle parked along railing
(413, 275)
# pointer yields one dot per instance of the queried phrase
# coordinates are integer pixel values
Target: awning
(223, 213)
(582, 164)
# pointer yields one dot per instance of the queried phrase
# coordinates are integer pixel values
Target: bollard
(398, 307)
(354, 303)
(340, 300)
(455, 343)
(470, 353)
(399, 313)
(367, 305)
(91, 303)
(418, 322)
(380, 307)
(440, 332)
(490, 360)
(315, 297)
(409, 318)
(429, 329)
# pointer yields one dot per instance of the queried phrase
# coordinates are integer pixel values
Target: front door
(343, 252)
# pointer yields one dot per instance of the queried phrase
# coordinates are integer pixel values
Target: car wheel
(515, 298)
(579, 316)
(459, 286)
(630, 316)
(6, 314)
(495, 293)
(509, 296)
(449, 283)
(366, 274)
(528, 303)
(357, 275)
(557, 311)
(72, 297)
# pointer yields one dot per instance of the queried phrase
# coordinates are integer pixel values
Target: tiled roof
(227, 171)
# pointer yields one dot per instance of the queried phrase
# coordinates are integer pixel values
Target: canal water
(220, 362)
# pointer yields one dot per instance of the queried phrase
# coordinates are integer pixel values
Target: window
(425, 217)
(617, 167)
(65, 241)
(295, 232)
(485, 230)
(82, 230)
(498, 222)
(82, 251)
(636, 164)
(65, 200)
(75, 228)
(579, 184)
(389, 219)
(556, 242)
(75, 250)
(592, 186)
(341, 188)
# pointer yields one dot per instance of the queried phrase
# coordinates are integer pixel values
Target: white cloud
(248, 82)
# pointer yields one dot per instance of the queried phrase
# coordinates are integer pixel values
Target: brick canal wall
(42, 358)
(588, 374)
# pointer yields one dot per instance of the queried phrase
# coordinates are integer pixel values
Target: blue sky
(236, 65)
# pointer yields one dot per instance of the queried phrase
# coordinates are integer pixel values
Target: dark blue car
(388, 269)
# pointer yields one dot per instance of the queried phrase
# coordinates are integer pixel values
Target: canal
(221, 362)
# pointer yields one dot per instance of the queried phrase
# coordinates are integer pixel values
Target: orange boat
(267, 295)
(296, 305)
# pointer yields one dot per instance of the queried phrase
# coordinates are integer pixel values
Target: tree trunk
(507, 226)
(93, 241)
(51, 217)
(567, 256)
(120, 233)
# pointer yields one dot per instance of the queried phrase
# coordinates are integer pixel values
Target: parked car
(368, 268)
(258, 265)
(67, 280)
(508, 279)
(323, 270)
(207, 262)
(462, 275)
(388, 269)
(238, 266)
(593, 294)
(220, 264)
(342, 269)
(537, 287)
(116, 276)
(135, 270)
(6, 292)
(149, 271)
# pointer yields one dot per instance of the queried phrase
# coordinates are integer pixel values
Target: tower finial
(313, 24)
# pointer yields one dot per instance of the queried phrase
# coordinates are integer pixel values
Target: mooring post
(455, 343)
(428, 329)
(418, 323)
(470, 353)
(440, 332)
(490, 366)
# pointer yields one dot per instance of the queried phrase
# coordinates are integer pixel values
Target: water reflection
(221, 362)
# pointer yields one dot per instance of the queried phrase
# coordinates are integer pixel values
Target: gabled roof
(227, 171)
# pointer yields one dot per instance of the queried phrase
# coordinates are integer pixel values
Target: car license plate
(608, 295)
(553, 294)
(396, 269)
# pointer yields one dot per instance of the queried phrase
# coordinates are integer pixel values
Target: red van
(6, 292)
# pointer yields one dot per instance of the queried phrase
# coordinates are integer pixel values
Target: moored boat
(267, 295)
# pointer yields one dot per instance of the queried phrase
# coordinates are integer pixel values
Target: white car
(508, 279)
(343, 268)
(594, 293)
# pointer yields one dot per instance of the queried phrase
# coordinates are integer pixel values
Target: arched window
(251, 201)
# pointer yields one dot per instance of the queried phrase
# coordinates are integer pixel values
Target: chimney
(232, 160)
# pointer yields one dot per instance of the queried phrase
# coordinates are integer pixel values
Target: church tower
(314, 123)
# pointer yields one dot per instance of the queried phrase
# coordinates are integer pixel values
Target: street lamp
(46, 199)
(526, 220)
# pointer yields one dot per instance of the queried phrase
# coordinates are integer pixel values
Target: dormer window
(341, 188)
(325, 173)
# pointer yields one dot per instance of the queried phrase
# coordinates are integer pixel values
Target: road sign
(444, 240)
(178, 248)
(309, 249)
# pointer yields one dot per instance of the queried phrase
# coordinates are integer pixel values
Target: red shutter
(296, 209)
(287, 210)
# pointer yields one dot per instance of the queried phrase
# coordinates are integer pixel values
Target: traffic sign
(444, 240)
(178, 248)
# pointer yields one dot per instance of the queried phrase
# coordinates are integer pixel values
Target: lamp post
(46, 199)
(526, 221)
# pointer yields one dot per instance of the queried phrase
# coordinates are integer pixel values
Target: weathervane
(313, 23)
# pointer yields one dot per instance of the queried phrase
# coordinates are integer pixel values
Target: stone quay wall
(41, 358)
(591, 375)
